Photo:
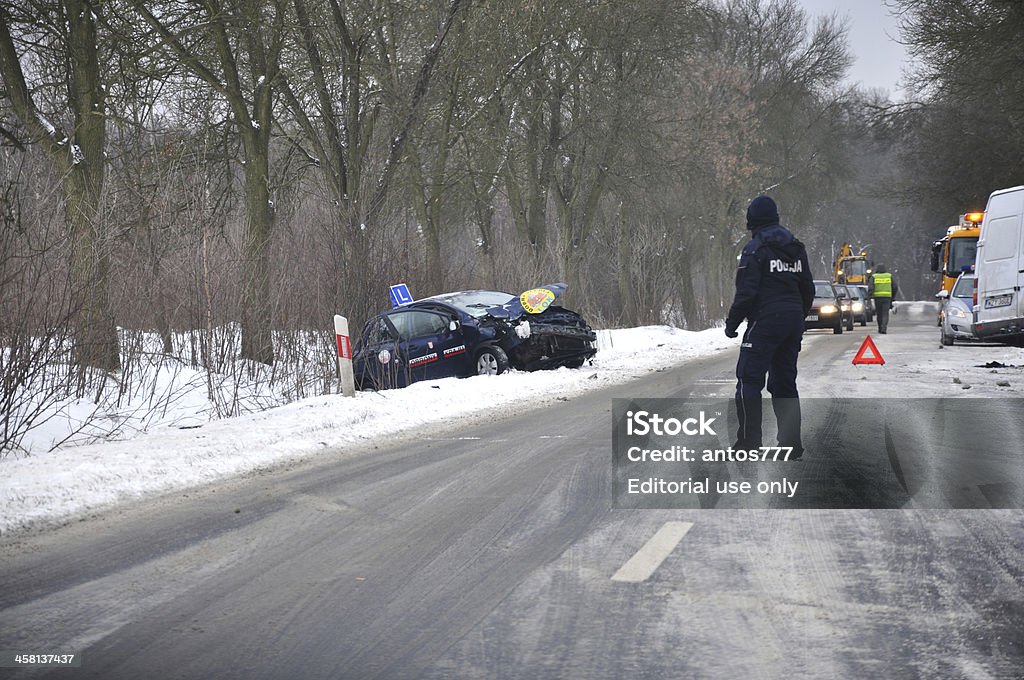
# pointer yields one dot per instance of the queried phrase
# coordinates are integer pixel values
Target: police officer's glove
(731, 332)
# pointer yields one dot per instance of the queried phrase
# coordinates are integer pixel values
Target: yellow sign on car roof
(537, 300)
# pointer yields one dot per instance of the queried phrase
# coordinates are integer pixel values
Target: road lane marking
(646, 561)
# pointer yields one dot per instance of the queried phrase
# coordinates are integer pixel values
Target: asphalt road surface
(492, 550)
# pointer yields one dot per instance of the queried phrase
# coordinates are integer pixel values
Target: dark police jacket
(773, 277)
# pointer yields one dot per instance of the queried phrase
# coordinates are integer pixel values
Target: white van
(999, 310)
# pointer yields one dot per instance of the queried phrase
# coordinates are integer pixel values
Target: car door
(376, 361)
(456, 341)
(427, 345)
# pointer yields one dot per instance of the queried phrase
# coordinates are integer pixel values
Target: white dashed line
(646, 561)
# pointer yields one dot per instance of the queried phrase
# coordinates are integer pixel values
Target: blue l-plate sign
(400, 294)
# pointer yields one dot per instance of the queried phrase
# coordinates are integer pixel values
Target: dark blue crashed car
(473, 332)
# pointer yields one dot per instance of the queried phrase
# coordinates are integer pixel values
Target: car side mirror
(942, 294)
(453, 325)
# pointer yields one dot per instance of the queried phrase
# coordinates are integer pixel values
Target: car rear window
(823, 290)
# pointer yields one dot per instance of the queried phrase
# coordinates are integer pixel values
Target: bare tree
(63, 42)
(964, 136)
(364, 96)
(35, 320)
(755, 115)
(237, 49)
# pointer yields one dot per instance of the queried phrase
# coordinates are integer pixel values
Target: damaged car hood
(533, 301)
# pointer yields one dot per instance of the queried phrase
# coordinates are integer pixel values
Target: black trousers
(882, 307)
(770, 347)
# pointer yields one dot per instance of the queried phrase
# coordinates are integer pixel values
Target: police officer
(774, 293)
(883, 291)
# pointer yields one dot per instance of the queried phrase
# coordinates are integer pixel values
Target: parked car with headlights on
(845, 304)
(825, 310)
(862, 310)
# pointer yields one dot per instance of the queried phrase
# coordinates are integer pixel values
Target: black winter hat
(762, 212)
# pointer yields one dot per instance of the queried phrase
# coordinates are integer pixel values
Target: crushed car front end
(555, 337)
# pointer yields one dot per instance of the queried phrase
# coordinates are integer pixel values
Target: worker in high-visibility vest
(883, 290)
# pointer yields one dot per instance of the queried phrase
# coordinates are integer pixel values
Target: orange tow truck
(956, 251)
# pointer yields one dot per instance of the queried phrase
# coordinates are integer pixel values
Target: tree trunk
(485, 223)
(257, 341)
(95, 342)
(624, 252)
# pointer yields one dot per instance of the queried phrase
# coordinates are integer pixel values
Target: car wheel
(849, 324)
(491, 361)
(946, 340)
(864, 321)
(838, 328)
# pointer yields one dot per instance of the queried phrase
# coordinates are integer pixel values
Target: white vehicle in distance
(956, 315)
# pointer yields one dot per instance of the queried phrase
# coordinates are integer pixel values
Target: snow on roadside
(49, 488)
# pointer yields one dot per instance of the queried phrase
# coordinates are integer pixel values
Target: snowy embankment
(51, 487)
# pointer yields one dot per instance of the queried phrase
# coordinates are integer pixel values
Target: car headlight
(858, 307)
(957, 312)
(828, 309)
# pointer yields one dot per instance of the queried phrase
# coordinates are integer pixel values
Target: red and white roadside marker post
(348, 380)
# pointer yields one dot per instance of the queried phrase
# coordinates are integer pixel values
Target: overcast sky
(872, 35)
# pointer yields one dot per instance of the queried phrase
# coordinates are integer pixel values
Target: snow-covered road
(50, 488)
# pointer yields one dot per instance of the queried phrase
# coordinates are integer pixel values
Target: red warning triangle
(868, 353)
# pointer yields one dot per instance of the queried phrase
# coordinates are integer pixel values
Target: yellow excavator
(851, 267)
